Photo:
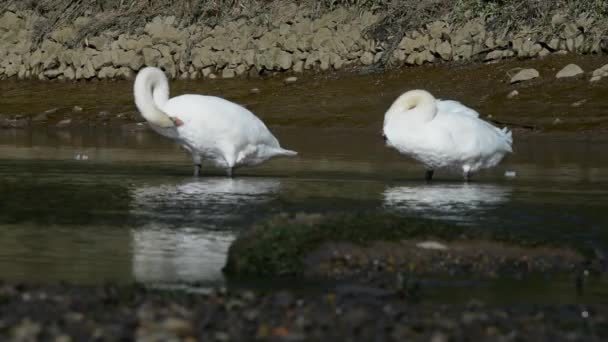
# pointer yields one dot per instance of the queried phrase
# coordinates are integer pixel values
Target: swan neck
(151, 92)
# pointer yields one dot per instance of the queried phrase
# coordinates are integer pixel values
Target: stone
(63, 123)
(124, 73)
(367, 58)
(444, 49)
(98, 43)
(207, 72)
(106, 72)
(298, 67)
(513, 94)
(69, 73)
(494, 55)
(525, 75)
(241, 69)
(595, 78)
(284, 60)
(553, 44)
(53, 73)
(228, 73)
(291, 79)
(569, 70)
(437, 29)
(151, 56)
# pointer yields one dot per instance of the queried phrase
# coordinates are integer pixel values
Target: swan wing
(451, 106)
(216, 119)
(473, 137)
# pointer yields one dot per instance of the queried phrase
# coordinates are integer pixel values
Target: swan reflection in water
(185, 233)
(451, 201)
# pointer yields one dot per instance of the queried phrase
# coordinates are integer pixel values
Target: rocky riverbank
(111, 313)
(288, 38)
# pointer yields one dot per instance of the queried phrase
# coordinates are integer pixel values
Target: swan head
(415, 104)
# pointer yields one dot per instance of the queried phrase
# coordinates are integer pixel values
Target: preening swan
(208, 127)
(443, 134)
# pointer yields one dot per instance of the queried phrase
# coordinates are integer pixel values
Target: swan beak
(177, 122)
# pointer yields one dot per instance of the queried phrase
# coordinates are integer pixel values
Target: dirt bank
(83, 40)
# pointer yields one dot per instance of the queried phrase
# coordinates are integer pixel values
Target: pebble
(513, 94)
(434, 245)
(63, 123)
(510, 174)
(77, 109)
(254, 91)
(291, 79)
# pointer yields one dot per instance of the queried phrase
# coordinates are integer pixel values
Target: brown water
(132, 211)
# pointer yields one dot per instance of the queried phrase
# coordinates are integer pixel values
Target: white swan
(443, 134)
(208, 127)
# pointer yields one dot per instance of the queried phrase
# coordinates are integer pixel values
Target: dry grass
(400, 15)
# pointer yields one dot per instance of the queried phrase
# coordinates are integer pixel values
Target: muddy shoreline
(564, 108)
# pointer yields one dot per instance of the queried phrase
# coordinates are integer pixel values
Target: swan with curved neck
(209, 127)
(443, 134)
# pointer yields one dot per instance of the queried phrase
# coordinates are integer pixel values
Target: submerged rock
(569, 70)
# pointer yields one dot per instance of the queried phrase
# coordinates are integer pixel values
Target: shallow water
(93, 204)
(131, 211)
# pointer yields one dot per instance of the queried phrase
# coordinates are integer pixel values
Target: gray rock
(207, 72)
(494, 55)
(444, 50)
(367, 58)
(438, 29)
(228, 73)
(151, 56)
(241, 69)
(569, 70)
(298, 67)
(106, 72)
(69, 73)
(284, 60)
(525, 75)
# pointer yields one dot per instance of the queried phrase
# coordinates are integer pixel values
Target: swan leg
(197, 170)
(467, 173)
(428, 176)
(229, 172)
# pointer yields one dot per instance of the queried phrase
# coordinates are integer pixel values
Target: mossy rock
(279, 246)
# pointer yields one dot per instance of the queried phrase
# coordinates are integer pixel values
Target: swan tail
(285, 153)
(508, 138)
